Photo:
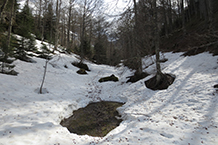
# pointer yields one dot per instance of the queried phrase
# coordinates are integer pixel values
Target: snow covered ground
(184, 114)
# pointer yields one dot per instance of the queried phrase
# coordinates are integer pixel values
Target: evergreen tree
(86, 48)
(25, 29)
(25, 22)
(100, 53)
(6, 46)
(49, 19)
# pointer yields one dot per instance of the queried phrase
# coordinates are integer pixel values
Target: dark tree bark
(170, 16)
(183, 17)
(210, 15)
(69, 23)
(89, 6)
(82, 39)
(58, 6)
(10, 26)
(139, 62)
(165, 18)
(39, 16)
(2, 8)
(157, 43)
(43, 23)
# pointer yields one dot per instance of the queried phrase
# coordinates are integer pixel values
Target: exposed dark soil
(165, 82)
(96, 119)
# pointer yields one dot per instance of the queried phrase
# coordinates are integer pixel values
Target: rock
(216, 86)
(110, 78)
(82, 71)
(65, 66)
(81, 65)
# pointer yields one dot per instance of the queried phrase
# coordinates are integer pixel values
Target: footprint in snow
(166, 135)
(190, 104)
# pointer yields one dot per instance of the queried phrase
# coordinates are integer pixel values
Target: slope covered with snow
(186, 113)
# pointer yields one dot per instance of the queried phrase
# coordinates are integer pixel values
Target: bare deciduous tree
(71, 2)
(138, 59)
(58, 10)
(157, 43)
(89, 6)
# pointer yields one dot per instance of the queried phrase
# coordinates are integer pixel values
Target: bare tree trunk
(183, 17)
(69, 24)
(10, 27)
(43, 27)
(210, 15)
(43, 79)
(139, 61)
(3, 7)
(27, 2)
(195, 10)
(89, 6)
(157, 43)
(58, 6)
(189, 11)
(170, 16)
(83, 32)
(165, 18)
(40, 13)
(90, 31)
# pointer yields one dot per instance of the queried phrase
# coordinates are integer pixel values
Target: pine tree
(49, 19)
(25, 29)
(25, 22)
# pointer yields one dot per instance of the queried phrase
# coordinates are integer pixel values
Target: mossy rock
(81, 65)
(81, 71)
(96, 119)
(110, 78)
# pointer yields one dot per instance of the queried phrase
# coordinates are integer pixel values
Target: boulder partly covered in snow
(81, 71)
(109, 78)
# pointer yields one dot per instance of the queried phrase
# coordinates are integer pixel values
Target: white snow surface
(184, 114)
